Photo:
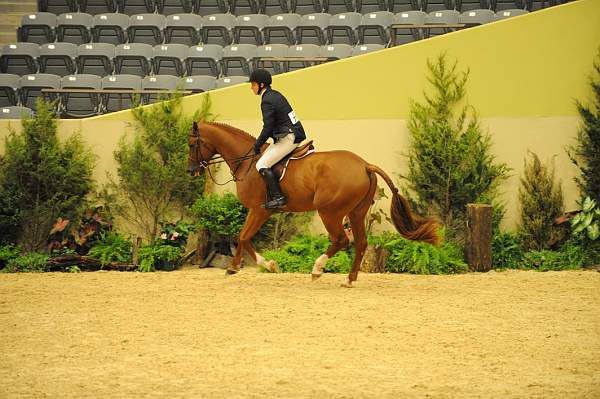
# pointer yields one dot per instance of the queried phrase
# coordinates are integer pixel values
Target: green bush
(541, 203)
(41, 178)
(221, 216)
(153, 257)
(417, 257)
(299, 255)
(450, 160)
(8, 252)
(153, 182)
(507, 252)
(585, 154)
(33, 262)
(112, 247)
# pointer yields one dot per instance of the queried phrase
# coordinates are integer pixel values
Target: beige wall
(526, 73)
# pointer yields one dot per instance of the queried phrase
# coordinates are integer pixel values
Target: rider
(280, 124)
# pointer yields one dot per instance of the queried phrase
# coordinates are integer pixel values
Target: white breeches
(276, 151)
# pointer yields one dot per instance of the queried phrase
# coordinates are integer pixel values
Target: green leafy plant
(112, 247)
(74, 269)
(176, 234)
(376, 215)
(299, 255)
(541, 203)
(415, 257)
(32, 262)
(153, 257)
(547, 260)
(8, 252)
(41, 178)
(506, 251)
(80, 234)
(221, 216)
(450, 162)
(581, 252)
(153, 182)
(585, 154)
(586, 224)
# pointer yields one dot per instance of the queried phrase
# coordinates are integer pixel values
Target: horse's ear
(195, 127)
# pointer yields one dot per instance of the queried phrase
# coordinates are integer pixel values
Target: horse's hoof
(272, 267)
(230, 272)
(315, 276)
(347, 285)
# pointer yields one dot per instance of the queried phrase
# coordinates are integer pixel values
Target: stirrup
(276, 203)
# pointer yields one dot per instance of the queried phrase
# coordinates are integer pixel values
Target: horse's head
(200, 151)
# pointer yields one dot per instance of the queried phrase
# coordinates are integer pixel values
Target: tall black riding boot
(276, 199)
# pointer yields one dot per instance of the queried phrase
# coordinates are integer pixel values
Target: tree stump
(479, 237)
(202, 248)
(136, 246)
(375, 259)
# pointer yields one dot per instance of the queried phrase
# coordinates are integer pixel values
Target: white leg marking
(259, 259)
(319, 264)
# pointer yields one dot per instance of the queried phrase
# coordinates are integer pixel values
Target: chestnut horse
(334, 183)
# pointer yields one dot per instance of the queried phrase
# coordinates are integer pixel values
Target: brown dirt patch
(197, 334)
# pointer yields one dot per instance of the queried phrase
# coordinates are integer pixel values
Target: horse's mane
(232, 129)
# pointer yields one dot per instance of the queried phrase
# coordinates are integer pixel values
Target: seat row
(272, 7)
(173, 59)
(191, 29)
(23, 91)
(236, 7)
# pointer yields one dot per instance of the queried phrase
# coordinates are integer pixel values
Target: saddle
(303, 150)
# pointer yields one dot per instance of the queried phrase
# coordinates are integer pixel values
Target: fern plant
(416, 257)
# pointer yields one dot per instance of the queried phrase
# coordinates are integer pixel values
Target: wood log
(136, 246)
(85, 263)
(375, 259)
(479, 237)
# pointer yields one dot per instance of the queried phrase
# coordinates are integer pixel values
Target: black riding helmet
(262, 77)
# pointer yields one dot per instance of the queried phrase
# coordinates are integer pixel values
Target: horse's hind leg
(337, 235)
(357, 221)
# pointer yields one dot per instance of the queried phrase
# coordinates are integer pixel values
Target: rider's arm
(268, 111)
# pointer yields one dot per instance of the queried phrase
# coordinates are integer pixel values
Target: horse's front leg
(255, 219)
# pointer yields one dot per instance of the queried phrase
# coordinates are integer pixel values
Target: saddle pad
(288, 161)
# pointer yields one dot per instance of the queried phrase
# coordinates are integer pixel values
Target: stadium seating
(201, 45)
(31, 88)
(9, 88)
(15, 112)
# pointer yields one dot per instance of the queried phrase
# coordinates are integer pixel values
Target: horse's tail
(409, 225)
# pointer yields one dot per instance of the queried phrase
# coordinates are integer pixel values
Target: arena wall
(525, 75)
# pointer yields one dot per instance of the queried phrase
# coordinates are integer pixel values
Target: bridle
(204, 164)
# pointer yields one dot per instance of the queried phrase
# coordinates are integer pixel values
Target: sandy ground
(197, 334)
